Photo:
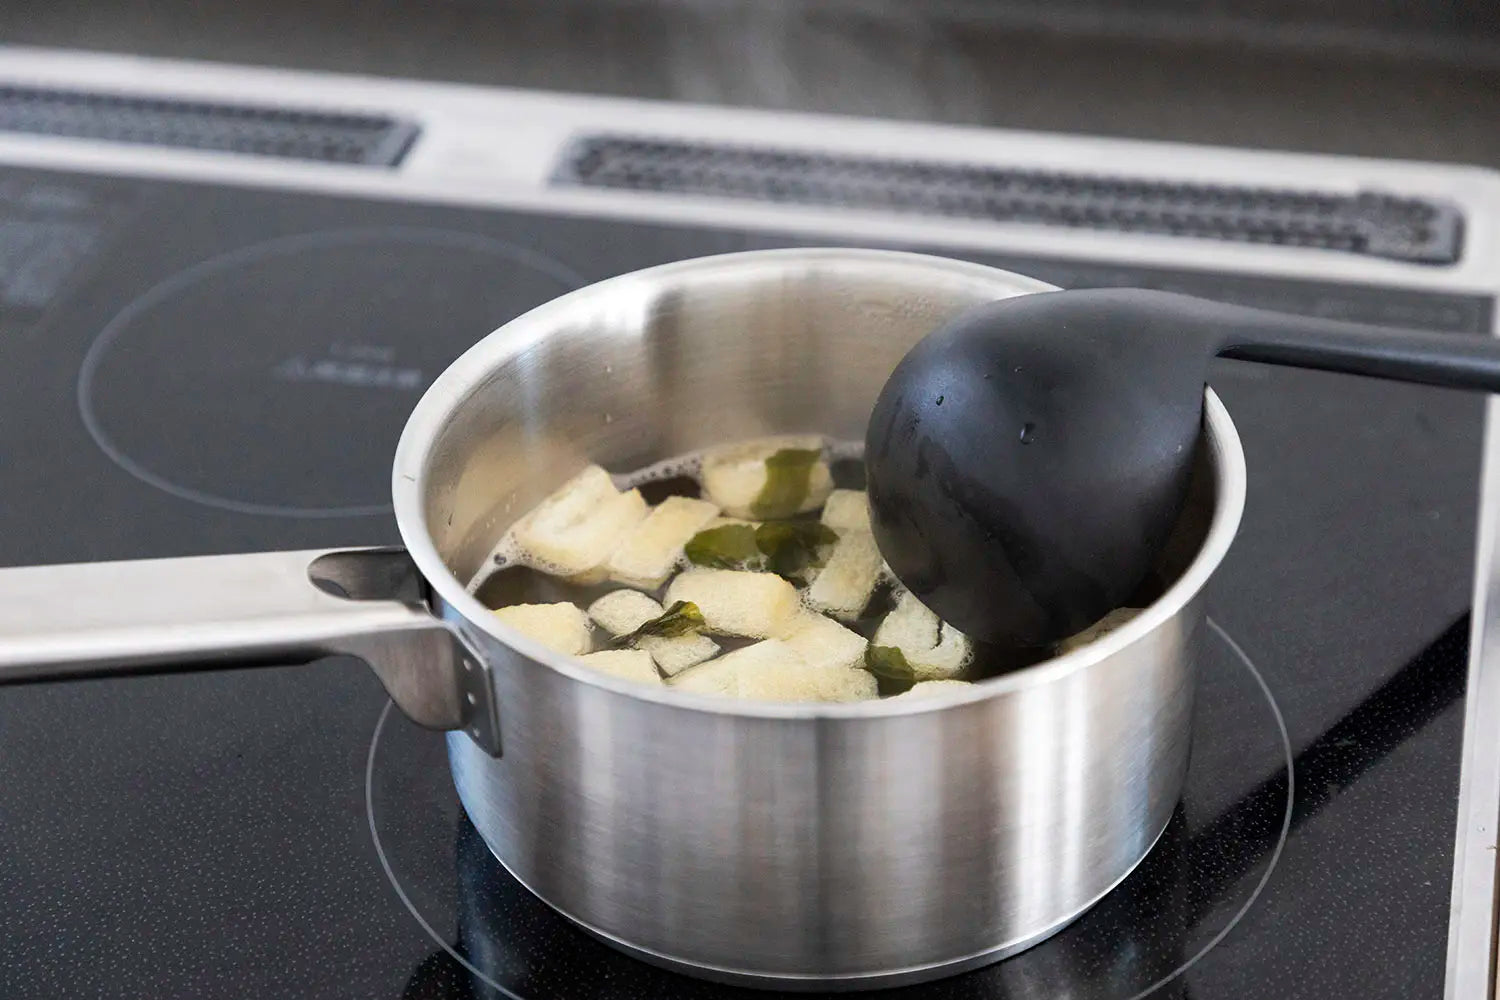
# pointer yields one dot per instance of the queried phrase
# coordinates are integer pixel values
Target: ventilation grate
(1373, 224)
(322, 136)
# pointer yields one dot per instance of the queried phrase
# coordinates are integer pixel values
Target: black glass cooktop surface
(196, 369)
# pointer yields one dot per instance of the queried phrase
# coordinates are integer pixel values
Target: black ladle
(1027, 460)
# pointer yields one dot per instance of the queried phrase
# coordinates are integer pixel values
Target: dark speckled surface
(208, 835)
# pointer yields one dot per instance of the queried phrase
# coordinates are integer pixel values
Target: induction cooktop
(222, 290)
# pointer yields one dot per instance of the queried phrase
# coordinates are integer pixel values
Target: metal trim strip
(1471, 968)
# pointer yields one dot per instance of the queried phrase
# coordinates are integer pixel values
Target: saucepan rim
(467, 374)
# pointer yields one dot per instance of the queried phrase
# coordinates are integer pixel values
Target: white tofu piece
(612, 521)
(631, 664)
(563, 627)
(674, 654)
(738, 602)
(848, 578)
(910, 625)
(718, 676)
(623, 611)
(1098, 630)
(949, 658)
(576, 529)
(931, 689)
(653, 550)
(734, 475)
(772, 671)
(934, 649)
(823, 642)
(791, 682)
(847, 510)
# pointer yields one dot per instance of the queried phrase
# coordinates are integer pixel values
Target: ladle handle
(1453, 361)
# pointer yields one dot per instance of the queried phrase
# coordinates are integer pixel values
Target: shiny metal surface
(791, 845)
(891, 978)
(217, 612)
(1473, 919)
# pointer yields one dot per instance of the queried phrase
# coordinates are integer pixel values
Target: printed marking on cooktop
(369, 365)
(1089, 956)
(275, 379)
(48, 230)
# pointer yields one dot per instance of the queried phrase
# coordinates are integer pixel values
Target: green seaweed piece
(792, 546)
(891, 669)
(729, 546)
(680, 619)
(788, 473)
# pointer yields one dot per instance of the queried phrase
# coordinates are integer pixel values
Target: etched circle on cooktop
(276, 379)
(1201, 878)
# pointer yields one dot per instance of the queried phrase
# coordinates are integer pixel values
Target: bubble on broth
(687, 467)
(673, 477)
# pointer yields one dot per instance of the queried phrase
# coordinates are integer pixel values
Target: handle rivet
(472, 700)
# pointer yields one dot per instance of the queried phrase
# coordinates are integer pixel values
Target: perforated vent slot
(1375, 224)
(322, 136)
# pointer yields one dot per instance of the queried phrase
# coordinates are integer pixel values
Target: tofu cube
(1098, 630)
(823, 642)
(847, 510)
(848, 578)
(772, 671)
(910, 625)
(653, 549)
(562, 627)
(792, 682)
(718, 676)
(674, 654)
(631, 664)
(623, 611)
(932, 689)
(734, 476)
(934, 649)
(576, 529)
(738, 602)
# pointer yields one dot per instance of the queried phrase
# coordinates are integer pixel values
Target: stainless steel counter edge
(1472, 916)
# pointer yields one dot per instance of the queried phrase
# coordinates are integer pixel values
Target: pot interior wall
(666, 362)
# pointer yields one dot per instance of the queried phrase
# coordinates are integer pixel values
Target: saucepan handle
(221, 612)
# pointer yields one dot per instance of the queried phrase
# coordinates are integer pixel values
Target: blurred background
(1413, 79)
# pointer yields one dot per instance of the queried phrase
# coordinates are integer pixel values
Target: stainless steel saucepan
(776, 844)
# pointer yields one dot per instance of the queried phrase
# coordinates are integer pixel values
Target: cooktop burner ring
(1236, 654)
(1286, 816)
(313, 356)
